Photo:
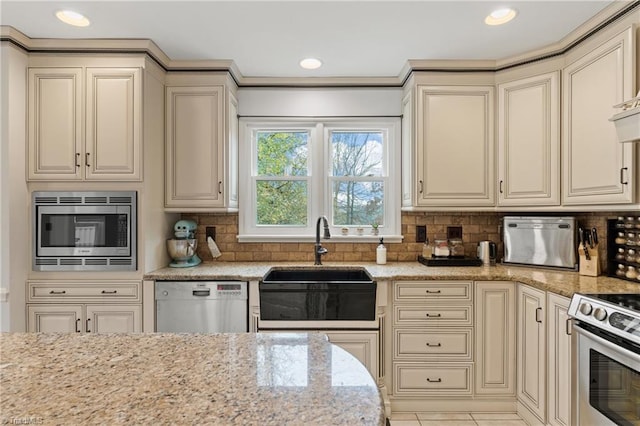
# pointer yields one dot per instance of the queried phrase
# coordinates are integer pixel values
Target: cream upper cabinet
(85, 124)
(495, 337)
(455, 146)
(597, 169)
(529, 141)
(201, 146)
(559, 376)
(532, 355)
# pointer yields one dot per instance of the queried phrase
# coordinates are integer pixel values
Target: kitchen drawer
(433, 344)
(433, 315)
(94, 291)
(432, 378)
(407, 291)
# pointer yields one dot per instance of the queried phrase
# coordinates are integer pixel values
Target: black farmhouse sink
(318, 275)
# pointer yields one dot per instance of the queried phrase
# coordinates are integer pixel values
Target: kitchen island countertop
(565, 283)
(217, 379)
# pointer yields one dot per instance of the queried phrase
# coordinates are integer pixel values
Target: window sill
(367, 238)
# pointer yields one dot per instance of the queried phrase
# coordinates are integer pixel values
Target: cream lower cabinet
(363, 345)
(87, 307)
(455, 146)
(432, 338)
(84, 123)
(597, 169)
(201, 144)
(495, 326)
(559, 377)
(532, 354)
(529, 141)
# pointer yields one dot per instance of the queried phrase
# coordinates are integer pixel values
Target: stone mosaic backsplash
(475, 227)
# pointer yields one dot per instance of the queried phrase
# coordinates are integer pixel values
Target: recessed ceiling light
(310, 63)
(500, 16)
(72, 18)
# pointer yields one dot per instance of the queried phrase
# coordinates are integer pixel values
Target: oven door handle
(616, 350)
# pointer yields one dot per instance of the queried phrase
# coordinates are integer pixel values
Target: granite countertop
(565, 283)
(218, 379)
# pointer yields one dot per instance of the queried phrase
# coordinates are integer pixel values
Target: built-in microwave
(84, 231)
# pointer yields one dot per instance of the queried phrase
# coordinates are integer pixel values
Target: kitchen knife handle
(622, 181)
(594, 233)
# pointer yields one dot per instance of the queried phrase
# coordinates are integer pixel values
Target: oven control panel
(617, 318)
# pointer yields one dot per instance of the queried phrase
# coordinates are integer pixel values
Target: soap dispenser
(381, 253)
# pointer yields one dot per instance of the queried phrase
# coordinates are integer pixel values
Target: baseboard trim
(453, 405)
(528, 416)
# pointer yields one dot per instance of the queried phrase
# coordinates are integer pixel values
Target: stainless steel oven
(607, 359)
(84, 231)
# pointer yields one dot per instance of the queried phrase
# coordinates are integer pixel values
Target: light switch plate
(454, 232)
(421, 233)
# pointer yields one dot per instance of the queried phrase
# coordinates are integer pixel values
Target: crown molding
(609, 14)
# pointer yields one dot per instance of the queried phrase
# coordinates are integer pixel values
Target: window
(297, 171)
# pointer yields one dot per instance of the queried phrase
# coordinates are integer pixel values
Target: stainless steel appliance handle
(202, 293)
(616, 351)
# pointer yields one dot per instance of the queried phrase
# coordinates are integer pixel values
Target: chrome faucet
(319, 250)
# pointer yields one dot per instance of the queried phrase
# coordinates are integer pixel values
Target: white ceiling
(352, 38)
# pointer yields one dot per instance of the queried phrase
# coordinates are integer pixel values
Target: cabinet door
(113, 319)
(113, 135)
(195, 143)
(455, 146)
(361, 344)
(529, 141)
(531, 383)
(597, 169)
(54, 318)
(495, 338)
(55, 123)
(558, 361)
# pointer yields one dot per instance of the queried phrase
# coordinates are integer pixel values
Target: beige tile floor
(456, 419)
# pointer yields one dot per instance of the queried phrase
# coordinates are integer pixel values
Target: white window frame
(319, 190)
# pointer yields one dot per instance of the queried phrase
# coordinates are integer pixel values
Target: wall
(14, 199)
(475, 227)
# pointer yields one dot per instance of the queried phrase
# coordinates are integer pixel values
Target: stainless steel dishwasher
(201, 306)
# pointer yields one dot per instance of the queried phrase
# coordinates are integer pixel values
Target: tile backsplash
(475, 227)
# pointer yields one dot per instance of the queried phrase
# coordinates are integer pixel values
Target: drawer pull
(568, 327)
(88, 322)
(434, 345)
(538, 311)
(434, 315)
(434, 291)
(78, 325)
(438, 380)
(57, 292)
(109, 291)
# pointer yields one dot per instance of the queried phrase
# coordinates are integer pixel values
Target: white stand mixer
(182, 248)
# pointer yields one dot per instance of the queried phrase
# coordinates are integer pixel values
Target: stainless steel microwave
(84, 231)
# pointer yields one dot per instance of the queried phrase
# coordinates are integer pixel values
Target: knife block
(589, 267)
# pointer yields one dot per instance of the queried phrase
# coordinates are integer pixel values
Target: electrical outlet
(421, 233)
(454, 232)
(211, 232)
